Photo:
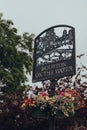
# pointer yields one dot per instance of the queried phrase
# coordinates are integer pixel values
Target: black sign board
(54, 53)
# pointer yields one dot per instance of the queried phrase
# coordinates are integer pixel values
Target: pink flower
(62, 93)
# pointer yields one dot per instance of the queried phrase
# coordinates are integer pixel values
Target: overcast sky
(34, 16)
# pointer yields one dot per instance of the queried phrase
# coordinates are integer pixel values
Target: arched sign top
(54, 53)
(56, 26)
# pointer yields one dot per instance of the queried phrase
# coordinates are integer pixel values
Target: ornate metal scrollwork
(53, 48)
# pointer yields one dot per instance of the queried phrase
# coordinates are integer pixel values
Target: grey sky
(34, 16)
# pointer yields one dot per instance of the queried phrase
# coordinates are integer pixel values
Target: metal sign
(54, 53)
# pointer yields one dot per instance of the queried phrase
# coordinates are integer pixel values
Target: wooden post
(52, 118)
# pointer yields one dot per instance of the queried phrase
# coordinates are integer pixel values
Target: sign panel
(54, 53)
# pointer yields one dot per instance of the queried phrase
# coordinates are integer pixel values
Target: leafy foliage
(15, 55)
(67, 101)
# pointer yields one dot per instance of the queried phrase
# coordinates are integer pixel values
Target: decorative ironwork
(54, 54)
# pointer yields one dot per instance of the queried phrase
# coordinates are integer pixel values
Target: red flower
(43, 94)
(29, 101)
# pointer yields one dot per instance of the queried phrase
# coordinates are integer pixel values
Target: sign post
(52, 93)
(54, 57)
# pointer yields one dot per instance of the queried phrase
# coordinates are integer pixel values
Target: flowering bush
(66, 101)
